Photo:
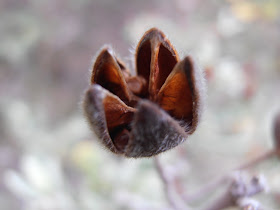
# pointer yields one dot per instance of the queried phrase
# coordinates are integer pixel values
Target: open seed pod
(145, 114)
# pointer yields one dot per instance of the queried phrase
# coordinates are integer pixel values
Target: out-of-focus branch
(239, 192)
(173, 199)
(257, 160)
(207, 189)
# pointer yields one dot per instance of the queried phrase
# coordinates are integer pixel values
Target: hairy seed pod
(145, 114)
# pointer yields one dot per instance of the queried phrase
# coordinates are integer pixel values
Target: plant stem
(210, 187)
(169, 187)
(257, 160)
(238, 192)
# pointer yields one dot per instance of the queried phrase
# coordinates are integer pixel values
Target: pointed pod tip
(94, 91)
(105, 53)
(153, 33)
(154, 30)
(149, 110)
(144, 103)
(188, 63)
(107, 48)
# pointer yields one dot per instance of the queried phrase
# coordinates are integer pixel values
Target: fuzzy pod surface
(148, 113)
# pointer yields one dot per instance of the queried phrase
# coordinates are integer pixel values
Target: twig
(206, 189)
(225, 200)
(223, 179)
(257, 160)
(238, 193)
(169, 188)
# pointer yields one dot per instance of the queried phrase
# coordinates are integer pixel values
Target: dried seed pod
(277, 132)
(148, 113)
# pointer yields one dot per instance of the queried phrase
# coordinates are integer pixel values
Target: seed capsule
(145, 114)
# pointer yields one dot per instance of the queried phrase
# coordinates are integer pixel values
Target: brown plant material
(143, 115)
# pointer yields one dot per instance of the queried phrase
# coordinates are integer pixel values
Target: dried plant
(145, 114)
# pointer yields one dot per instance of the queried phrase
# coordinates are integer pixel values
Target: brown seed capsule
(277, 132)
(148, 113)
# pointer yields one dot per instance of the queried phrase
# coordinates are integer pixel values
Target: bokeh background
(49, 159)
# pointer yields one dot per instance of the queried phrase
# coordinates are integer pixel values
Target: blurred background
(49, 159)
